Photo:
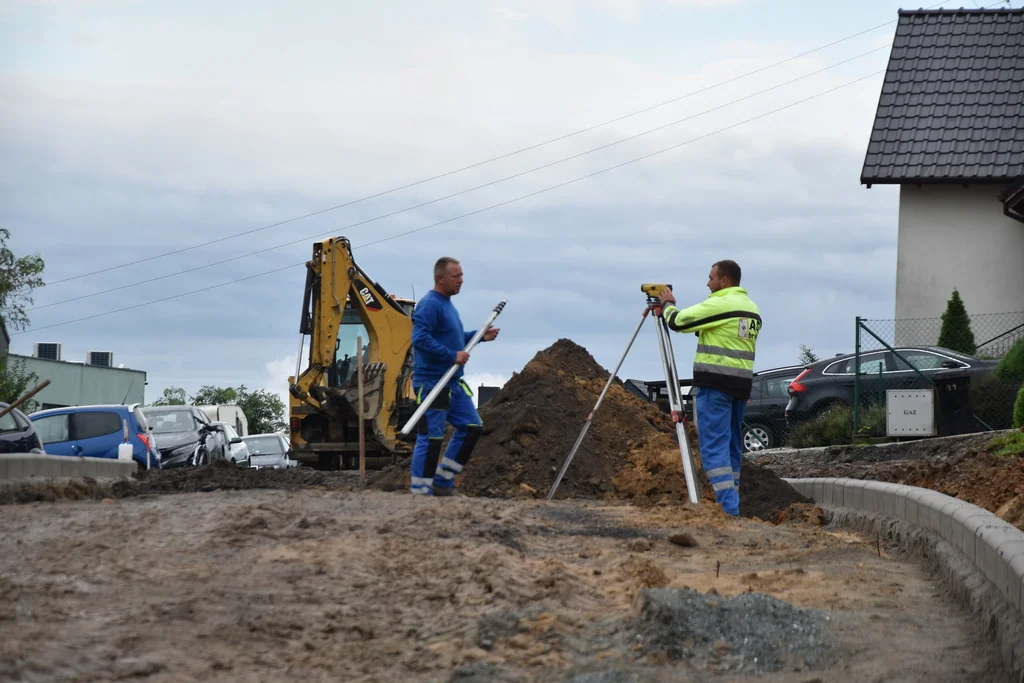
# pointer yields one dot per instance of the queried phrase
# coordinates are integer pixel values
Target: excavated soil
(367, 586)
(630, 452)
(961, 467)
(215, 477)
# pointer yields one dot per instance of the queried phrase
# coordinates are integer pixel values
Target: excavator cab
(342, 303)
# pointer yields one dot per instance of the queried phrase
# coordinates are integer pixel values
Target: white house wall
(951, 236)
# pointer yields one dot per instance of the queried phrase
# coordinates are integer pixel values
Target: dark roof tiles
(952, 101)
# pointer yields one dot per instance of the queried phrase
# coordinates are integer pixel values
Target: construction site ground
(220, 574)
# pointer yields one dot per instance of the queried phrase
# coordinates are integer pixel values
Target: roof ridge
(963, 10)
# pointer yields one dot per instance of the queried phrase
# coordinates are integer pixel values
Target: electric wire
(460, 192)
(486, 161)
(471, 213)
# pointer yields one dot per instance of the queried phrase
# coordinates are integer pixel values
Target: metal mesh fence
(960, 360)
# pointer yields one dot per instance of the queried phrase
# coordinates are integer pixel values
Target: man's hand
(491, 333)
(667, 297)
(461, 357)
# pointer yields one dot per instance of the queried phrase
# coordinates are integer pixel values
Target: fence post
(856, 383)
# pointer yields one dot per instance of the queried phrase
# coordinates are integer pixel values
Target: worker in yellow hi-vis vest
(727, 324)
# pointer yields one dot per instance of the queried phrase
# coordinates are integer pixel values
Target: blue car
(97, 432)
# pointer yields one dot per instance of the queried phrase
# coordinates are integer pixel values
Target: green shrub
(835, 427)
(992, 401)
(1018, 409)
(1011, 368)
(1011, 443)
(956, 331)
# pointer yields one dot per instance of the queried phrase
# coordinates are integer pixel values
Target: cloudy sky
(133, 129)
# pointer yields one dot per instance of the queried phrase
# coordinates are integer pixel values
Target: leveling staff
(727, 324)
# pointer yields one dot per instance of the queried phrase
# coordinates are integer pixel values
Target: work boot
(447, 492)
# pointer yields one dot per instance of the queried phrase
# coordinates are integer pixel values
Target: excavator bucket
(373, 391)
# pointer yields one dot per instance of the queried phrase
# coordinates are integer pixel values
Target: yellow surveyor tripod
(675, 401)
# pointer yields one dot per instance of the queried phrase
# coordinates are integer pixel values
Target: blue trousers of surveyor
(454, 405)
(720, 433)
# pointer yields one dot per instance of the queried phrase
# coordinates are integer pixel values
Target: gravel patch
(748, 633)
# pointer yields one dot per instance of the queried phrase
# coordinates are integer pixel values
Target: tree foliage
(956, 331)
(807, 356)
(18, 278)
(264, 411)
(15, 382)
(172, 396)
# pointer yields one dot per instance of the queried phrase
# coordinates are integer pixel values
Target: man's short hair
(441, 266)
(729, 269)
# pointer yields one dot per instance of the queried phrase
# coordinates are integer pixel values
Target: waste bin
(953, 394)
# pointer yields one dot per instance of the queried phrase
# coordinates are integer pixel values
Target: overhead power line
(471, 213)
(462, 192)
(484, 162)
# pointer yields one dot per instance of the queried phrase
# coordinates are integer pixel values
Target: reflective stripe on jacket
(727, 324)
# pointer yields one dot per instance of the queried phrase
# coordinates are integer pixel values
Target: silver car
(268, 450)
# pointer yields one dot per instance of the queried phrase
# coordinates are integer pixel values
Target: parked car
(830, 382)
(97, 432)
(765, 416)
(269, 450)
(184, 436)
(235, 450)
(17, 434)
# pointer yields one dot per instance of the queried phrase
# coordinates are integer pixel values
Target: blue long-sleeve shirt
(437, 334)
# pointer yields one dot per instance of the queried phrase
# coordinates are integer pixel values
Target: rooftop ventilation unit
(46, 350)
(103, 359)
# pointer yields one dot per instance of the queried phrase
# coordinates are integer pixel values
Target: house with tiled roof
(949, 130)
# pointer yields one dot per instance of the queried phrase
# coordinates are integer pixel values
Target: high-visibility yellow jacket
(727, 324)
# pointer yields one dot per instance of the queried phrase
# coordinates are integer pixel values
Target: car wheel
(756, 437)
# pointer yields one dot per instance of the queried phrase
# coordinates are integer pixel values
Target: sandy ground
(315, 584)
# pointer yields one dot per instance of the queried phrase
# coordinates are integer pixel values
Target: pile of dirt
(961, 467)
(215, 477)
(629, 453)
(764, 495)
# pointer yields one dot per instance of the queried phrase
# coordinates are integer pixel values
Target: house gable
(951, 108)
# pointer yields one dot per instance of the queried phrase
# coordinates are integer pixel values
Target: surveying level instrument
(675, 401)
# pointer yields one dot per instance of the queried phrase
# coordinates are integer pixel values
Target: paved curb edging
(991, 546)
(22, 466)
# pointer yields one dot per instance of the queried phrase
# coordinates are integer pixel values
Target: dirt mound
(629, 453)
(218, 476)
(764, 495)
(967, 468)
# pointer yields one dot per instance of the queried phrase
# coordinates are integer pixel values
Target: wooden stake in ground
(360, 411)
(42, 385)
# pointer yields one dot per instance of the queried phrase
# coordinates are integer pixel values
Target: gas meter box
(910, 413)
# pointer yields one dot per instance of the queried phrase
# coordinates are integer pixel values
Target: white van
(231, 414)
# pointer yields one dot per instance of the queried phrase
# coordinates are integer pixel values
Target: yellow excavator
(340, 303)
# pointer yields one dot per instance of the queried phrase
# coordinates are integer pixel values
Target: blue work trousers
(720, 432)
(454, 405)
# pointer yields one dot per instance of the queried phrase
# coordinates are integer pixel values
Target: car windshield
(170, 421)
(265, 445)
(8, 423)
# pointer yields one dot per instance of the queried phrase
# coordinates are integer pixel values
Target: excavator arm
(341, 302)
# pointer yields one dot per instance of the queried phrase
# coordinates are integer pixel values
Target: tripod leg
(676, 404)
(590, 417)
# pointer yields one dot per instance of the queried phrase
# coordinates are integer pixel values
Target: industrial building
(91, 381)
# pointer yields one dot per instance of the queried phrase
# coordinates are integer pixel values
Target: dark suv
(830, 382)
(765, 416)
